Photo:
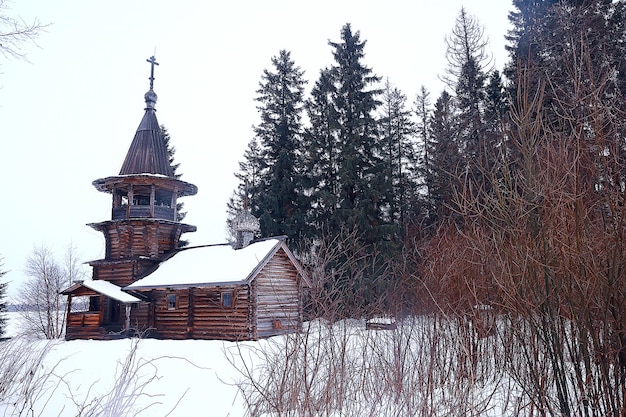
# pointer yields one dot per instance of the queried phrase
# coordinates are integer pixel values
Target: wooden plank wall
(84, 326)
(278, 295)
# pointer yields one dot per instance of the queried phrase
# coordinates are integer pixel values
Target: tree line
(364, 159)
(354, 155)
(504, 194)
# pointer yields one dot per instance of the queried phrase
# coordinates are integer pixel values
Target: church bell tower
(144, 228)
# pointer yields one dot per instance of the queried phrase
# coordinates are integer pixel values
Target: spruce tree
(466, 42)
(279, 199)
(171, 151)
(445, 163)
(361, 199)
(496, 103)
(399, 155)
(321, 157)
(562, 48)
(529, 19)
(496, 125)
(423, 113)
(249, 176)
(548, 36)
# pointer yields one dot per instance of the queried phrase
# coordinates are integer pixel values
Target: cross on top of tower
(152, 61)
(151, 96)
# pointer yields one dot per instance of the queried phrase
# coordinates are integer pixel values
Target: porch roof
(105, 288)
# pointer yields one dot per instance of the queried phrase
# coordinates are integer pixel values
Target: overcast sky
(67, 116)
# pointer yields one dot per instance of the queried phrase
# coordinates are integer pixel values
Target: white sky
(68, 116)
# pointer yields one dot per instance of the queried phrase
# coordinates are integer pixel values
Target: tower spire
(152, 61)
(151, 96)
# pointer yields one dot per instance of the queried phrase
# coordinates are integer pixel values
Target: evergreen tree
(468, 60)
(362, 189)
(278, 200)
(423, 113)
(445, 163)
(495, 128)
(529, 19)
(559, 47)
(496, 103)
(397, 132)
(3, 301)
(321, 156)
(171, 151)
(249, 175)
(548, 36)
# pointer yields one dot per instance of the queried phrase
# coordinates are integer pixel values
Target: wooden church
(147, 285)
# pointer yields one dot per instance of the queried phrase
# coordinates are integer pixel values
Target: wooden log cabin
(147, 284)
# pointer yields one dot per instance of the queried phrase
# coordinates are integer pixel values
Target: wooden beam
(127, 325)
(190, 312)
(130, 200)
(152, 200)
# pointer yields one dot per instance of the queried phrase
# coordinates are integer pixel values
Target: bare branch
(16, 32)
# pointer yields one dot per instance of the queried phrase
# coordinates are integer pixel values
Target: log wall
(84, 325)
(132, 238)
(121, 273)
(141, 319)
(199, 314)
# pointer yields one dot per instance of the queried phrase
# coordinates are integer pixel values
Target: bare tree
(43, 308)
(15, 32)
(466, 43)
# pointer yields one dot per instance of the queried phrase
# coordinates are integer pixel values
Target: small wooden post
(131, 196)
(127, 328)
(190, 312)
(173, 204)
(152, 201)
(69, 310)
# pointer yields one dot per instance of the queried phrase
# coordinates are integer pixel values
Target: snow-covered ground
(183, 378)
(328, 370)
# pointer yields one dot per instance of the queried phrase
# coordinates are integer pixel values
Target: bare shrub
(30, 380)
(417, 369)
(544, 250)
(23, 380)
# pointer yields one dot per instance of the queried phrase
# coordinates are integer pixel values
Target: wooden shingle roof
(147, 153)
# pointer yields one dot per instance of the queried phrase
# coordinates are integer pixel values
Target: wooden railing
(165, 213)
(84, 319)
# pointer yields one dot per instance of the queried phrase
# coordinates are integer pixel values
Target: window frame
(168, 300)
(227, 294)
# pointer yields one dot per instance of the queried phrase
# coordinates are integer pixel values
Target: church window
(171, 301)
(227, 299)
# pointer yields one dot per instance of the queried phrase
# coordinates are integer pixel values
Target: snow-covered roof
(110, 290)
(210, 265)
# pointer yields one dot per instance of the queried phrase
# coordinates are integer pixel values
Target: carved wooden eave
(118, 182)
(181, 227)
